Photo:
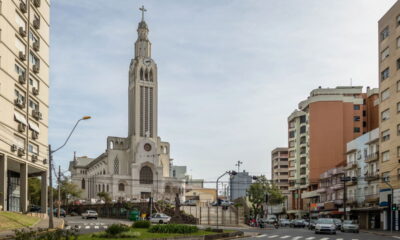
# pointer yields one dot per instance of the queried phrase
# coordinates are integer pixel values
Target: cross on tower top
(143, 10)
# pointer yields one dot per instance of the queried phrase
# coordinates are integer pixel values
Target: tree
(104, 196)
(34, 191)
(68, 189)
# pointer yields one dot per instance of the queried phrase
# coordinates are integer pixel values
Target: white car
(89, 214)
(325, 225)
(160, 218)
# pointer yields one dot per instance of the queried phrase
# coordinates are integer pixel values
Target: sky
(230, 72)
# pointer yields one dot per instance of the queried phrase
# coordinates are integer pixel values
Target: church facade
(136, 167)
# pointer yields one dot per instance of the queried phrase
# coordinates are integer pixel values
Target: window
(385, 33)
(398, 20)
(303, 150)
(398, 42)
(385, 94)
(385, 115)
(356, 118)
(292, 134)
(302, 140)
(33, 105)
(20, 95)
(292, 123)
(141, 74)
(398, 86)
(291, 144)
(33, 83)
(19, 70)
(291, 154)
(385, 156)
(385, 176)
(146, 175)
(356, 129)
(291, 173)
(398, 107)
(20, 142)
(398, 129)
(302, 119)
(20, 46)
(356, 107)
(385, 54)
(398, 151)
(385, 74)
(33, 38)
(385, 135)
(398, 63)
(33, 148)
(364, 124)
(116, 166)
(302, 129)
(83, 184)
(33, 59)
(20, 22)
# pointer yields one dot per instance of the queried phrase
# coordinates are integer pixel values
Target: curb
(379, 233)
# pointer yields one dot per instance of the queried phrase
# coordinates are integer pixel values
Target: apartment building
(331, 193)
(318, 133)
(389, 88)
(24, 99)
(280, 168)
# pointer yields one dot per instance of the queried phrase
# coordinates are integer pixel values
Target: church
(139, 166)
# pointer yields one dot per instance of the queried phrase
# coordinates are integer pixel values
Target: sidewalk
(383, 233)
(43, 223)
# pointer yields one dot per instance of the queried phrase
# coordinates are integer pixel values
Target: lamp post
(231, 173)
(51, 221)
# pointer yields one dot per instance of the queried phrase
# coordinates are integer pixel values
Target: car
(312, 224)
(325, 225)
(226, 203)
(189, 203)
(160, 218)
(35, 208)
(284, 222)
(338, 223)
(297, 223)
(89, 214)
(270, 219)
(63, 213)
(350, 226)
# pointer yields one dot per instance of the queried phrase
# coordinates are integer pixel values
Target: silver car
(160, 218)
(350, 226)
(325, 225)
(90, 214)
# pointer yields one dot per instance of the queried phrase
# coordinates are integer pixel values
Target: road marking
(296, 238)
(339, 238)
(324, 238)
(285, 236)
(87, 227)
(85, 224)
(273, 236)
(354, 239)
(260, 236)
(310, 238)
(396, 237)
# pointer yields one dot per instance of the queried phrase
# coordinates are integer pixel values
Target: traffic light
(394, 208)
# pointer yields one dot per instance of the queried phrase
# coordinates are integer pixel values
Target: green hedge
(173, 228)
(116, 229)
(141, 224)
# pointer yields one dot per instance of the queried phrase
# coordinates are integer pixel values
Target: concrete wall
(208, 215)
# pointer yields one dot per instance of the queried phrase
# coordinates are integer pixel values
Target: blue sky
(229, 72)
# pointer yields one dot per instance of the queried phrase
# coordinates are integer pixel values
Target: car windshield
(325, 221)
(348, 222)
(337, 220)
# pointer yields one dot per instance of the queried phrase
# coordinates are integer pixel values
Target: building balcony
(371, 176)
(373, 198)
(337, 186)
(372, 157)
(337, 171)
(351, 183)
(321, 190)
(350, 166)
(310, 194)
(338, 201)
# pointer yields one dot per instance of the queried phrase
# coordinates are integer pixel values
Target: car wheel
(316, 232)
(334, 233)
(357, 231)
(160, 222)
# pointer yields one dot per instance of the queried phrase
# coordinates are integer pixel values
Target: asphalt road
(285, 233)
(91, 225)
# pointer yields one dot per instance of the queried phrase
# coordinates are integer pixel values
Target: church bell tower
(143, 87)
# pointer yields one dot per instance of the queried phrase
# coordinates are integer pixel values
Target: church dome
(143, 24)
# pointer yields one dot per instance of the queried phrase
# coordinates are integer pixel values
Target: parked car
(160, 218)
(90, 214)
(338, 223)
(312, 224)
(63, 213)
(350, 226)
(325, 225)
(298, 223)
(189, 203)
(35, 208)
(284, 222)
(226, 203)
(270, 219)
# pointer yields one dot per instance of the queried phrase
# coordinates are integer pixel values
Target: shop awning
(20, 118)
(34, 126)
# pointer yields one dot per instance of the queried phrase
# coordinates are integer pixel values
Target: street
(91, 225)
(305, 234)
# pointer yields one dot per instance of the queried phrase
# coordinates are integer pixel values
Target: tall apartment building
(239, 184)
(389, 88)
(318, 133)
(24, 99)
(280, 168)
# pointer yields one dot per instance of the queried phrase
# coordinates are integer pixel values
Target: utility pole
(59, 192)
(51, 222)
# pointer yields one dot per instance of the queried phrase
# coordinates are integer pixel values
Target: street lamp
(231, 173)
(51, 221)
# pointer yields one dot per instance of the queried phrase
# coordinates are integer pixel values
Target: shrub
(116, 229)
(173, 228)
(141, 224)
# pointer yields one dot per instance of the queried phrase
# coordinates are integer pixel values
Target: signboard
(348, 209)
(396, 196)
(383, 197)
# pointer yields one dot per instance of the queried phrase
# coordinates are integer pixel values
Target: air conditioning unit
(35, 91)
(22, 56)
(19, 103)
(22, 7)
(36, 46)
(21, 127)
(22, 32)
(34, 158)
(21, 152)
(37, 115)
(14, 148)
(36, 23)
(35, 135)
(36, 3)
(21, 79)
(36, 68)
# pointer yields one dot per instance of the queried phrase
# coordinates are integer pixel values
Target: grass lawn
(11, 220)
(144, 234)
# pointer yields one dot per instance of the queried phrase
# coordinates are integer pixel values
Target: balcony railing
(372, 198)
(321, 190)
(372, 157)
(371, 176)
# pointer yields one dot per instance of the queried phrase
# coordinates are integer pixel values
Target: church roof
(83, 161)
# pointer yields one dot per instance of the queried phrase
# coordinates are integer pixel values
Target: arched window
(167, 189)
(121, 187)
(141, 74)
(151, 75)
(146, 76)
(146, 175)
(108, 188)
(104, 172)
(116, 166)
(83, 183)
(111, 145)
(104, 188)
